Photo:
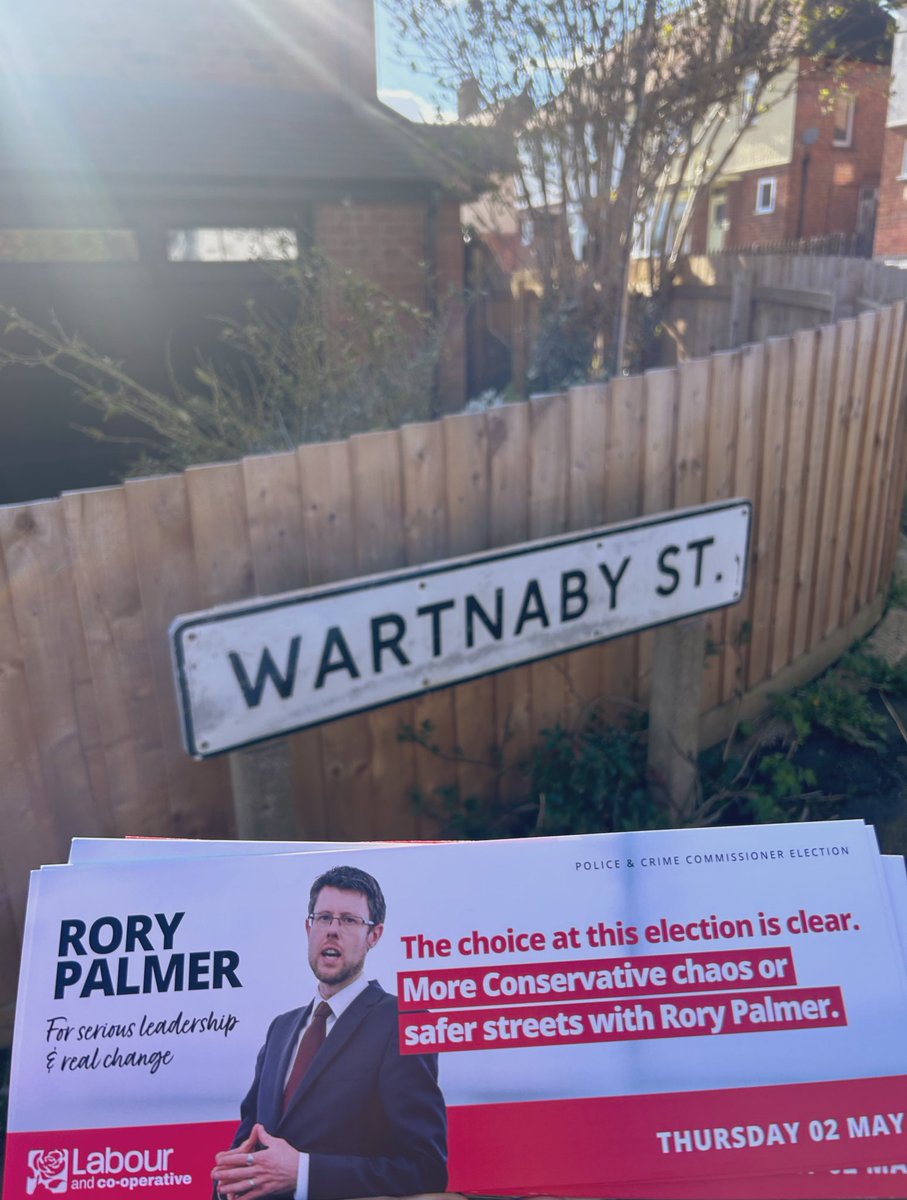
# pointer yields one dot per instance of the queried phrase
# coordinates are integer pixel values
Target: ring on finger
(250, 1160)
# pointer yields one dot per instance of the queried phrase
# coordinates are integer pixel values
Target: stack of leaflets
(700, 1012)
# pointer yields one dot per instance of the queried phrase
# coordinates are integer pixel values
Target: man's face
(337, 955)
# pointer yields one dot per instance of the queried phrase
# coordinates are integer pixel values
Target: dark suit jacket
(372, 1119)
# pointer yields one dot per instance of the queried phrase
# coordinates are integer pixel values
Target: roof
(100, 128)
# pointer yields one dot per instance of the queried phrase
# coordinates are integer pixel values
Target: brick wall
(287, 45)
(414, 252)
(891, 225)
(835, 174)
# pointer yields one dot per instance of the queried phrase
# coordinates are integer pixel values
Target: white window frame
(847, 139)
(764, 209)
(903, 174)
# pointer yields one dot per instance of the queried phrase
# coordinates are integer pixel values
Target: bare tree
(624, 113)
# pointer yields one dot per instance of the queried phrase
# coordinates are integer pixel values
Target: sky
(414, 95)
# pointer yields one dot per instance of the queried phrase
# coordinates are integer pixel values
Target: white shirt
(339, 1003)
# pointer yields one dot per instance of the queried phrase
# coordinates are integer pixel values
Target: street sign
(256, 670)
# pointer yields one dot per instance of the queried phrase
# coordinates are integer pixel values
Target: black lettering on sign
(665, 589)
(613, 580)
(699, 547)
(532, 608)
(267, 669)
(434, 611)
(474, 609)
(573, 588)
(335, 641)
(380, 642)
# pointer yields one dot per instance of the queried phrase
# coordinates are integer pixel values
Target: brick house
(891, 228)
(176, 132)
(807, 167)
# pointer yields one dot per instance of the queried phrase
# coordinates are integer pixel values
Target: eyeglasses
(324, 921)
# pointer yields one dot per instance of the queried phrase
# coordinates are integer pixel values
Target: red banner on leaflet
(658, 1146)
(681, 1135)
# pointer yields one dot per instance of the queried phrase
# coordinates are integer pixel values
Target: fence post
(674, 716)
(741, 306)
(262, 783)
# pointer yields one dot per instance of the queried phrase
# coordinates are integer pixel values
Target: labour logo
(48, 1169)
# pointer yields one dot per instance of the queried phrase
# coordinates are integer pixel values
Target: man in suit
(335, 1110)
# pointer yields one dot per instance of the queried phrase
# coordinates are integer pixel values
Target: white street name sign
(266, 667)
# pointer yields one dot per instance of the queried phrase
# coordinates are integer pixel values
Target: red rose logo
(50, 1169)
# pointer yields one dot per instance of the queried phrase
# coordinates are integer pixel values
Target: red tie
(309, 1045)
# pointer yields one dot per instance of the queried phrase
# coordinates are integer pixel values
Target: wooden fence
(811, 426)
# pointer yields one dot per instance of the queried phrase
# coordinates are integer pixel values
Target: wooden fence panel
(770, 507)
(386, 811)
(326, 491)
(277, 542)
(548, 452)
(852, 351)
(719, 485)
(160, 531)
(812, 385)
(45, 610)
(869, 467)
(845, 578)
(475, 706)
(623, 458)
(657, 482)
(119, 658)
(750, 427)
(425, 500)
(890, 444)
(586, 507)
(790, 582)
(508, 522)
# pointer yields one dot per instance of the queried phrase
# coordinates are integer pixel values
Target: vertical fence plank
(750, 420)
(623, 497)
(45, 609)
(848, 415)
(377, 479)
(660, 388)
(853, 480)
(894, 371)
(548, 452)
(771, 505)
(425, 532)
(118, 653)
(870, 466)
(508, 522)
(719, 483)
(30, 835)
(326, 491)
(466, 459)
(797, 466)
(277, 544)
(895, 498)
(586, 506)
(812, 487)
(160, 530)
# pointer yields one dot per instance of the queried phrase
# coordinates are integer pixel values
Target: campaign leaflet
(879, 1180)
(622, 1013)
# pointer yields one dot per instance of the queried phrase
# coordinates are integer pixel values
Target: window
(903, 174)
(748, 99)
(766, 193)
(231, 245)
(68, 245)
(843, 134)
